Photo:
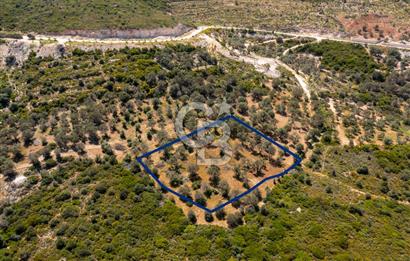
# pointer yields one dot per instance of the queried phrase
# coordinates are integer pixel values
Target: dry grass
(289, 14)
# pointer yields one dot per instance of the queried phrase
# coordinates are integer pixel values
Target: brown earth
(372, 26)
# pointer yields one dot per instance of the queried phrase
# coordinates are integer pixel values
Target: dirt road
(268, 66)
(201, 29)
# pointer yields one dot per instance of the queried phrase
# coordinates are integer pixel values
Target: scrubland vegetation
(58, 16)
(347, 79)
(342, 57)
(120, 104)
(330, 16)
(103, 211)
(289, 14)
(372, 169)
(74, 125)
(253, 159)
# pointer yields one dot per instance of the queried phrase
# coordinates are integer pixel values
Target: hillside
(107, 212)
(379, 19)
(375, 19)
(58, 16)
(71, 127)
(311, 162)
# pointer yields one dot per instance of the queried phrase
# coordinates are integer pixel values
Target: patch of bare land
(374, 26)
(253, 160)
(287, 100)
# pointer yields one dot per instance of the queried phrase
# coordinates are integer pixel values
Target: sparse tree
(193, 172)
(259, 165)
(192, 217)
(243, 108)
(11, 60)
(238, 173)
(232, 194)
(186, 191)
(174, 179)
(206, 189)
(234, 219)
(200, 198)
(34, 161)
(7, 168)
(214, 172)
(224, 188)
(220, 214)
(209, 217)
(27, 136)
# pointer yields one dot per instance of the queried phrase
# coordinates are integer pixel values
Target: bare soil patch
(372, 26)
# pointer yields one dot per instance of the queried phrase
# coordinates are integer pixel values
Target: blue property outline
(298, 160)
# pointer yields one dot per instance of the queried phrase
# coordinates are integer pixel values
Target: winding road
(200, 29)
(262, 64)
(265, 65)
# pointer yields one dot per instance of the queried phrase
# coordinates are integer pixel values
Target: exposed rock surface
(19, 51)
(130, 33)
(12, 191)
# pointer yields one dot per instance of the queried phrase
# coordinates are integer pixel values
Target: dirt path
(52, 41)
(201, 29)
(341, 134)
(355, 190)
(265, 65)
(318, 37)
(301, 79)
(291, 48)
(351, 188)
(62, 39)
(262, 64)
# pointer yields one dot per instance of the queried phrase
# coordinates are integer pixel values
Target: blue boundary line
(298, 160)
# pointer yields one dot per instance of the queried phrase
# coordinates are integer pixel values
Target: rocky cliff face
(15, 52)
(12, 191)
(130, 33)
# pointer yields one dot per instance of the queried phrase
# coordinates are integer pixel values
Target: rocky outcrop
(130, 33)
(18, 51)
(12, 191)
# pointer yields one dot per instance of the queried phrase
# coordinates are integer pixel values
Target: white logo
(203, 137)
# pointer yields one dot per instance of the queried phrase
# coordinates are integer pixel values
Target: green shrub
(342, 57)
(363, 170)
(317, 252)
(101, 188)
(70, 212)
(60, 243)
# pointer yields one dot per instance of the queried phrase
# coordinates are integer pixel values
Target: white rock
(19, 180)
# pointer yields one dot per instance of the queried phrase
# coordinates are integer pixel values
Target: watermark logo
(216, 137)
(207, 140)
